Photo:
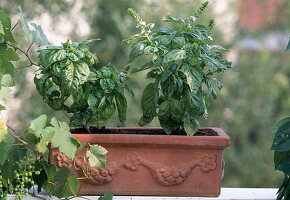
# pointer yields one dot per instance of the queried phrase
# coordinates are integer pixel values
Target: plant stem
(25, 66)
(10, 128)
(22, 141)
(25, 53)
(29, 47)
(15, 25)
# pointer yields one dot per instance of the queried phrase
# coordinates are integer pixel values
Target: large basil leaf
(137, 50)
(174, 55)
(170, 115)
(281, 140)
(149, 102)
(191, 125)
(193, 76)
(122, 107)
(75, 74)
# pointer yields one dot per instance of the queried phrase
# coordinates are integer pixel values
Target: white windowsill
(226, 194)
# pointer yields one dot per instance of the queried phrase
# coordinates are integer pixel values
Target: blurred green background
(256, 91)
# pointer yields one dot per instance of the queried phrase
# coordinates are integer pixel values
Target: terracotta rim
(215, 142)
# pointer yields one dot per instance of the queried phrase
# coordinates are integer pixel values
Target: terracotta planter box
(151, 164)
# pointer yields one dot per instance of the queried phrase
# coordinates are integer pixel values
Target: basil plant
(68, 81)
(182, 66)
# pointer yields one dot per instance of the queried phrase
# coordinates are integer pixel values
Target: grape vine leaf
(6, 24)
(97, 156)
(4, 141)
(38, 36)
(47, 135)
(37, 125)
(48, 186)
(63, 139)
(7, 54)
(61, 183)
(67, 183)
(24, 25)
(5, 93)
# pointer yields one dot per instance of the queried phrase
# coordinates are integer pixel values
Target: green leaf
(5, 93)
(75, 74)
(16, 152)
(217, 62)
(218, 47)
(87, 42)
(274, 130)
(63, 139)
(195, 104)
(137, 50)
(170, 115)
(218, 83)
(37, 125)
(164, 40)
(67, 183)
(107, 196)
(92, 100)
(168, 86)
(178, 42)
(61, 183)
(48, 186)
(150, 50)
(6, 24)
(7, 80)
(143, 67)
(48, 47)
(41, 178)
(122, 107)
(107, 83)
(38, 37)
(2, 107)
(172, 18)
(174, 55)
(288, 46)
(281, 140)
(193, 77)
(191, 125)
(76, 120)
(47, 135)
(176, 111)
(165, 75)
(148, 103)
(4, 141)
(7, 54)
(97, 156)
(24, 25)
(282, 159)
(210, 88)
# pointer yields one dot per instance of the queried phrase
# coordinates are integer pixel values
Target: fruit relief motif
(164, 174)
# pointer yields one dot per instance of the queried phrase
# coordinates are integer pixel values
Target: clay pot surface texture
(161, 165)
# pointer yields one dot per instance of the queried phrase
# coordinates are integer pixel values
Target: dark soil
(94, 130)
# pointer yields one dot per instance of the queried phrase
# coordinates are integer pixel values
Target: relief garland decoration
(166, 175)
